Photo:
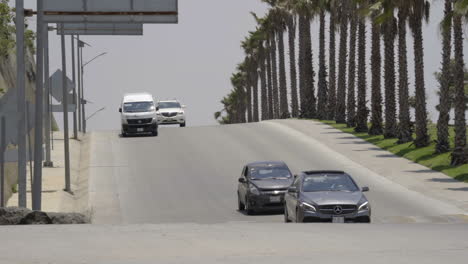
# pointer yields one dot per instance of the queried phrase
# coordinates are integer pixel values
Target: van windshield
(138, 107)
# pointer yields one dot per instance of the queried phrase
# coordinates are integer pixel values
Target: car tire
(182, 125)
(123, 134)
(365, 219)
(240, 205)
(249, 210)
(154, 133)
(286, 216)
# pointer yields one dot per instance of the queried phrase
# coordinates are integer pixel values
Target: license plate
(140, 129)
(275, 199)
(338, 219)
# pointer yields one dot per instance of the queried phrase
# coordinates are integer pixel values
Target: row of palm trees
(260, 89)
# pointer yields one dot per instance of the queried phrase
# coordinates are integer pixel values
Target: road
(190, 175)
(172, 199)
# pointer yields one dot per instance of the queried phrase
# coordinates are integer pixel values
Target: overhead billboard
(100, 29)
(111, 11)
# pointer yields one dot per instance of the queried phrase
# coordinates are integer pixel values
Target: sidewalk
(400, 170)
(54, 199)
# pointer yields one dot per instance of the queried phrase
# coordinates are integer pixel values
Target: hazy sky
(193, 60)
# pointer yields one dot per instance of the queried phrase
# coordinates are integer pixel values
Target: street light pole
(75, 127)
(21, 100)
(78, 103)
(38, 139)
(48, 117)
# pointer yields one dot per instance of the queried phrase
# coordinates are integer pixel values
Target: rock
(12, 215)
(68, 218)
(36, 218)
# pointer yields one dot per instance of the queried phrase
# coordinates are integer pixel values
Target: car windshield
(260, 173)
(324, 183)
(138, 107)
(165, 105)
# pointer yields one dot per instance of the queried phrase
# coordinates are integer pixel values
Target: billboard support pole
(65, 116)
(75, 126)
(48, 116)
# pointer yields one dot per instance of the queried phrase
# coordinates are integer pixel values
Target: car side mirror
(242, 180)
(365, 189)
(292, 189)
(120, 110)
(157, 108)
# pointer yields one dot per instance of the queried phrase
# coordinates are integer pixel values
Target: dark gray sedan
(319, 196)
(262, 186)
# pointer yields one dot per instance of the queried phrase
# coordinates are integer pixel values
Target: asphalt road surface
(190, 176)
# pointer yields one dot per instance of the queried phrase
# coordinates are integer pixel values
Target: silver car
(323, 196)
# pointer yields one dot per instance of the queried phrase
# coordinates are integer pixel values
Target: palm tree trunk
(362, 112)
(322, 92)
(340, 115)
(302, 75)
(389, 29)
(309, 74)
(460, 154)
(283, 90)
(351, 102)
(443, 144)
(292, 66)
(332, 64)
(376, 65)
(422, 137)
(404, 127)
(255, 94)
(274, 71)
(263, 89)
(270, 81)
(249, 103)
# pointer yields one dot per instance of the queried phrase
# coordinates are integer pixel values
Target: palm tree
(292, 64)
(331, 108)
(420, 11)
(376, 65)
(460, 153)
(389, 34)
(322, 88)
(245, 83)
(270, 79)
(362, 112)
(281, 24)
(263, 83)
(343, 17)
(351, 96)
(274, 73)
(443, 144)
(404, 127)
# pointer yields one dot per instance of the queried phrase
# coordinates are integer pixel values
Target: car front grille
(169, 114)
(332, 209)
(139, 121)
(274, 192)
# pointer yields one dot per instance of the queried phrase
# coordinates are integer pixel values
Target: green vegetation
(425, 156)
(7, 31)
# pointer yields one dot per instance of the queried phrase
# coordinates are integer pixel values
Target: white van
(138, 114)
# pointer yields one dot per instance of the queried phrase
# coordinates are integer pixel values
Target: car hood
(272, 184)
(170, 110)
(325, 198)
(141, 115)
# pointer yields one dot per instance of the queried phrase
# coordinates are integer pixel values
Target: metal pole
(30, 148)
(36, 191)
(75, 127)
(20, 85)
(78, 104)
(65, 115)
(83, 102)
(2, 161)
(47, 97)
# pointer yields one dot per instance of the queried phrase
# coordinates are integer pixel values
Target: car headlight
(180, 113)
(308, 207)
(158, 113)
(253, 190)
(363, 205)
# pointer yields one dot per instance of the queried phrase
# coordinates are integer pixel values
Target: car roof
(137, 97)
(312, 172)
(266, 163)
(168, 101)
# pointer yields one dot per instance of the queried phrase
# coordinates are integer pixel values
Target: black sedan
(326, 196)
(262, 186)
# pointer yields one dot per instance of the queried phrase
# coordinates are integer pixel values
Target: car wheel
(365, 219)
(286, 216)
(182, 125)
(154, 133)
(123, 134)
(240, 205)
(248, 209)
